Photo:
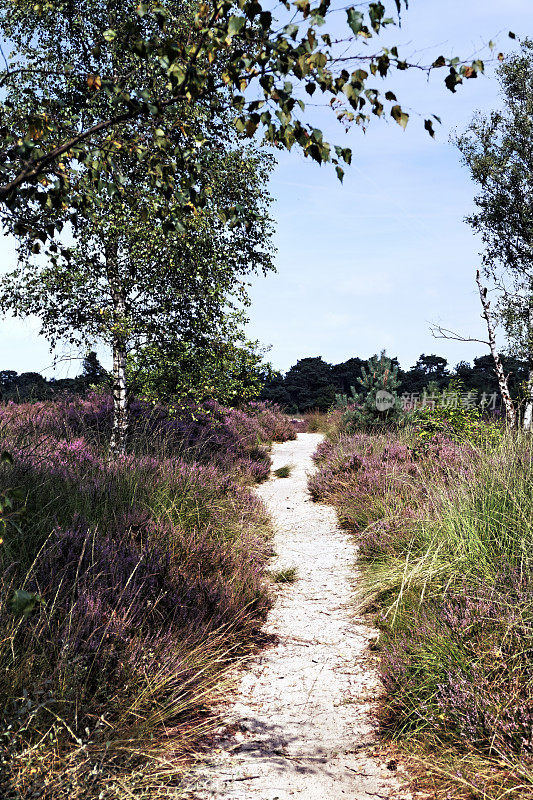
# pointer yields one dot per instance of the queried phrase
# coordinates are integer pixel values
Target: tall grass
(446, 545)
(321, 422)
(148, 578)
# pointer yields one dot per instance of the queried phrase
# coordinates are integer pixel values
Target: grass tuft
(287, 575)
(283, 472)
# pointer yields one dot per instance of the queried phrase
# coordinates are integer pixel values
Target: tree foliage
(128, 283)
(498, 150)
(81, 76)
(230, 370)
(377, 402)
(170, 284)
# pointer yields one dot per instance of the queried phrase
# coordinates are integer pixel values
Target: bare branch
(510, 410)
(438, 332)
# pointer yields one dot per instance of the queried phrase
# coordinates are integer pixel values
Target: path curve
(301, 721)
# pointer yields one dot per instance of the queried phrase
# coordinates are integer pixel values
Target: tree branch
(438, 332)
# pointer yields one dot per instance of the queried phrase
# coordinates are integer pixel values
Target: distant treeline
(33, 386)
(312, 383)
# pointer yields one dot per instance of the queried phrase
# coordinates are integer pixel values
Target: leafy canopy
(227, 368)
(80, 74)
(498, 150)
(125, 279)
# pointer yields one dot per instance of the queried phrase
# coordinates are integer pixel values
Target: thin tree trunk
(528, 408)
(119, 433)
(510, 411)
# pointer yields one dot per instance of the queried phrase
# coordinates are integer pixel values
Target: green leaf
(355, 20)
(340, 173)
(291, 30)
(22, 602)
(376, 12)
(110, 35)
(452, 80)
(401, 117)
(251, 126)
(235, 25)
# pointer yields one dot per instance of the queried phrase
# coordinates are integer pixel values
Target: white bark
(510, 411)
(119, 434)
(528, 408)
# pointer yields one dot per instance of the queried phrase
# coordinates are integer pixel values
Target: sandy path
(302, 712)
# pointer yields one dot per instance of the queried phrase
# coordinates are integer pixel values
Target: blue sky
(369, 264)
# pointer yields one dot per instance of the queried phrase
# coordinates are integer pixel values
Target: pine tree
(377, 404)
(93, 372)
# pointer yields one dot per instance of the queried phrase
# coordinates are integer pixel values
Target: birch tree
(498, 150)
(128, 283)
(76, 75)
(510, 412)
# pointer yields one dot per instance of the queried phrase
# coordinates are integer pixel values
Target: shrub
(446, 548)
(130, 585)
(446, 415)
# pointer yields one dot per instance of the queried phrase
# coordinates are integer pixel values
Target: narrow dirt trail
(301, 719)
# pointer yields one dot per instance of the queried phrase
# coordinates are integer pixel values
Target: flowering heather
(231, 438)
(368, 477)
(149, 574)
(463, 666)
(446, 547)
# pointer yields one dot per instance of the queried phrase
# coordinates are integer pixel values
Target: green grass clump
(283, 472)
(320, 422)
(287, 575)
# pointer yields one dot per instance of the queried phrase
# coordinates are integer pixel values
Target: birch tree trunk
(119, 433)
(510, 411)
(528, 408)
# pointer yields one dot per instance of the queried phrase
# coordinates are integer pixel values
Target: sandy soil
(301, 723)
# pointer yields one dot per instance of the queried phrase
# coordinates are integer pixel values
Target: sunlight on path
(302, 711)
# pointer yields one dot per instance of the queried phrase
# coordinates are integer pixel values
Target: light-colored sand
(302, 716)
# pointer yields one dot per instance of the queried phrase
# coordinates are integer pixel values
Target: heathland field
(443, 522)
(129, 586)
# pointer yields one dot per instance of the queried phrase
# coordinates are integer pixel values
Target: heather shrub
(461, 667)
(371, 477)
(446, 548)
(209, 433)
(274, 425)
(128, 588)
(105, 599)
